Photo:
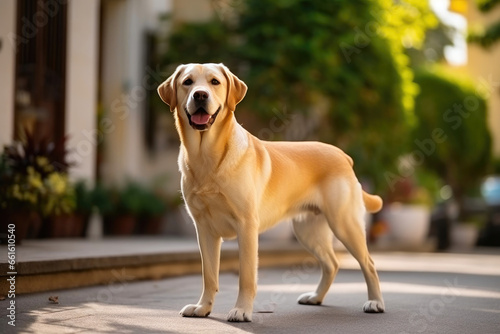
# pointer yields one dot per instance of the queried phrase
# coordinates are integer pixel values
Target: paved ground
(424, 293)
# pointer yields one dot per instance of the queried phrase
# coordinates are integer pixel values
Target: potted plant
(102, 199)
(39, 183)
(406, 216)
(126, 204)
(57, 204)
(104, 205)
(83, 208)
(19, 196)
(152, 212)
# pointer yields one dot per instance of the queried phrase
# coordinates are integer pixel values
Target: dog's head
(198, 93)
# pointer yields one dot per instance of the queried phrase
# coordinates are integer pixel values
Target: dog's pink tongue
(200, 118)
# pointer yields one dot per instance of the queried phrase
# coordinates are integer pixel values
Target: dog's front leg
(210, 259)
(248, 239)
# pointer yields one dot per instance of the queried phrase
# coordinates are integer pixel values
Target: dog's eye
(215, 82)
(187, 82)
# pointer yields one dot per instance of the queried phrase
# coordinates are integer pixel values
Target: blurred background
(410, 89)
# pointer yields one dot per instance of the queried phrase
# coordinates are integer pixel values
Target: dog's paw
(374, 306)
(195, 310)
(239, 315)
(309, 298)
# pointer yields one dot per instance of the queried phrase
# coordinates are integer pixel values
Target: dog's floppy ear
(236, 89)
(168, 89)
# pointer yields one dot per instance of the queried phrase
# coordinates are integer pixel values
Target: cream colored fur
(237, 186)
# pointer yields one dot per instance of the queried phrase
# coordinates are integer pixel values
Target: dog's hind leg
(346, 220)
(315, 235)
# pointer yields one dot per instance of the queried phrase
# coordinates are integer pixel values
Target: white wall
(82, 84)
(125, 82)
(114, 52)
(7, 69)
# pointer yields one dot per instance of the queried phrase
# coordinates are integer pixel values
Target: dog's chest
(212, 203)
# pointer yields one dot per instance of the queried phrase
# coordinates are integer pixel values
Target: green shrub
(103, 199)
(130, 199)
(83, 198)
(451, 105)
(152, 204)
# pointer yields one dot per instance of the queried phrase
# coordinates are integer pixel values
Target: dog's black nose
(200, 95)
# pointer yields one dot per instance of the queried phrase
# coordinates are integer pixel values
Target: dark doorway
(40, 69)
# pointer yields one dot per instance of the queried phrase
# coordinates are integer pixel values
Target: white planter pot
(407, 224)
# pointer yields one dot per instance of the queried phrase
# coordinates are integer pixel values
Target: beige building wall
(82, 85)
(113, 37)
(484, 66)
(7, 69)
(126, 79)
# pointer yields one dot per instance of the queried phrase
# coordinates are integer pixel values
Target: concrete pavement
(424, 293)
(48, 264)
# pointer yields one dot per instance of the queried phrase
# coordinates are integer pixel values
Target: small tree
(452, 131)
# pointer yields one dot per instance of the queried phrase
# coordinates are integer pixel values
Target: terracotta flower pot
(79, 225)
(150, 225)
(25, 223)
(59, 226)
(120, 225)
(70, 225)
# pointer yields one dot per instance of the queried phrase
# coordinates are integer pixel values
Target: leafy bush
(130, 199)
(452, 134)
(102, 199)
(153, 204)
(133, 198)
(83, 198)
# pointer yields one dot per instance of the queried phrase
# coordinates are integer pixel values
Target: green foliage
(129, 199)
(190, 41)
(57, 195)
(34, 177)
(452, 105)
(486, 5)
(298, 55)
(153, 204)
(83, 198)
(102, 199)
(488, 36)
(43, 155)
(133, 198)
(496, 166)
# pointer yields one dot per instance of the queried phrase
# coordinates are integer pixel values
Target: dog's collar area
(202, 127)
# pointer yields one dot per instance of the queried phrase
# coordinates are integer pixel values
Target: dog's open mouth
(201, 120)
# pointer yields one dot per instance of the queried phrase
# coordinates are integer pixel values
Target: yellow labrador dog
(236, 186)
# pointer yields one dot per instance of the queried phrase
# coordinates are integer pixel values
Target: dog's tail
(373, 203)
